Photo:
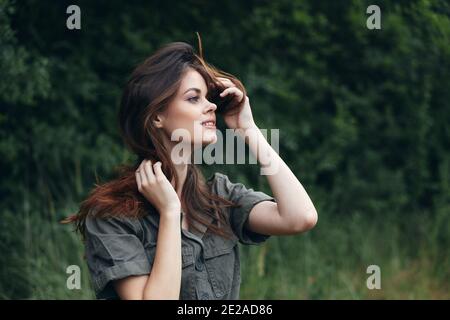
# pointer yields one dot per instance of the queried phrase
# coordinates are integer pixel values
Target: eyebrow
(195, 89)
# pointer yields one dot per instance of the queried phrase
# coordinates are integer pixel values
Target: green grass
(328, 262)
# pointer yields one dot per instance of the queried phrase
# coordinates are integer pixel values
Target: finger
(142, 175)
(149, 172)
(238, 93)
(227, 82)
(159, 174)
(225, 92)
(138, 180)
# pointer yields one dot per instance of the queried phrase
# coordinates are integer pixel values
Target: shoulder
(215, 177)
(112, 225)
(221, 185)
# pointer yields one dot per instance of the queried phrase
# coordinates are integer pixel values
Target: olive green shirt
(121, 247)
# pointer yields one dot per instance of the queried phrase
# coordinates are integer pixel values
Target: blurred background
(363, 116)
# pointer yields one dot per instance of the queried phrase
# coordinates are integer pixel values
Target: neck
(181, 170)
(180, 165)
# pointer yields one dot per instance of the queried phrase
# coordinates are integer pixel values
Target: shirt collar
(153, 216)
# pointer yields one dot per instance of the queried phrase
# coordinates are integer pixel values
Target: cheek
(183, 117)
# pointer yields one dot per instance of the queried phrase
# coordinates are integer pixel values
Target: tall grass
(329, 262)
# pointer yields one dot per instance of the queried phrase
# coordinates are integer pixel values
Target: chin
(211, 140)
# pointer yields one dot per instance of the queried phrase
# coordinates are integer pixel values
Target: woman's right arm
(164, 280)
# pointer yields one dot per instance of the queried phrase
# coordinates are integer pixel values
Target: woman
(161, 231)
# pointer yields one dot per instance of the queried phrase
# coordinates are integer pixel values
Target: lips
(209, 124)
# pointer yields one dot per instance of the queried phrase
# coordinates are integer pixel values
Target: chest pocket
(220, 262)
(187, 253)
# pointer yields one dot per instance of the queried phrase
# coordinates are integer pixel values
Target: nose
(211, 107)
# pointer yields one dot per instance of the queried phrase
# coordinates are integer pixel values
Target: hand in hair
(243, 119)
(157, 189)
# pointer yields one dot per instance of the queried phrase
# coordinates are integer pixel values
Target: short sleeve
(244, 197)
(114, 250)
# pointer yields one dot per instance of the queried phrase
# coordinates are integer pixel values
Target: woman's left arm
(293, 211)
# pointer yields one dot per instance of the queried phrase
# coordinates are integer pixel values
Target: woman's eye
(193, 99)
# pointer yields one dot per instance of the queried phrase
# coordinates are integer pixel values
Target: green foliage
(363, 118)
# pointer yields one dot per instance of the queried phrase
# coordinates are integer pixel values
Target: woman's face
(188, 111)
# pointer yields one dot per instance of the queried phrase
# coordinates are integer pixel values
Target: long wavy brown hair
(151, 87)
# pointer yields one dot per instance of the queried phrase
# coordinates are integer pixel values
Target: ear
(158, 121)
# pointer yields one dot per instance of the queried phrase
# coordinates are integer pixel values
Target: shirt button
(199, 266)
